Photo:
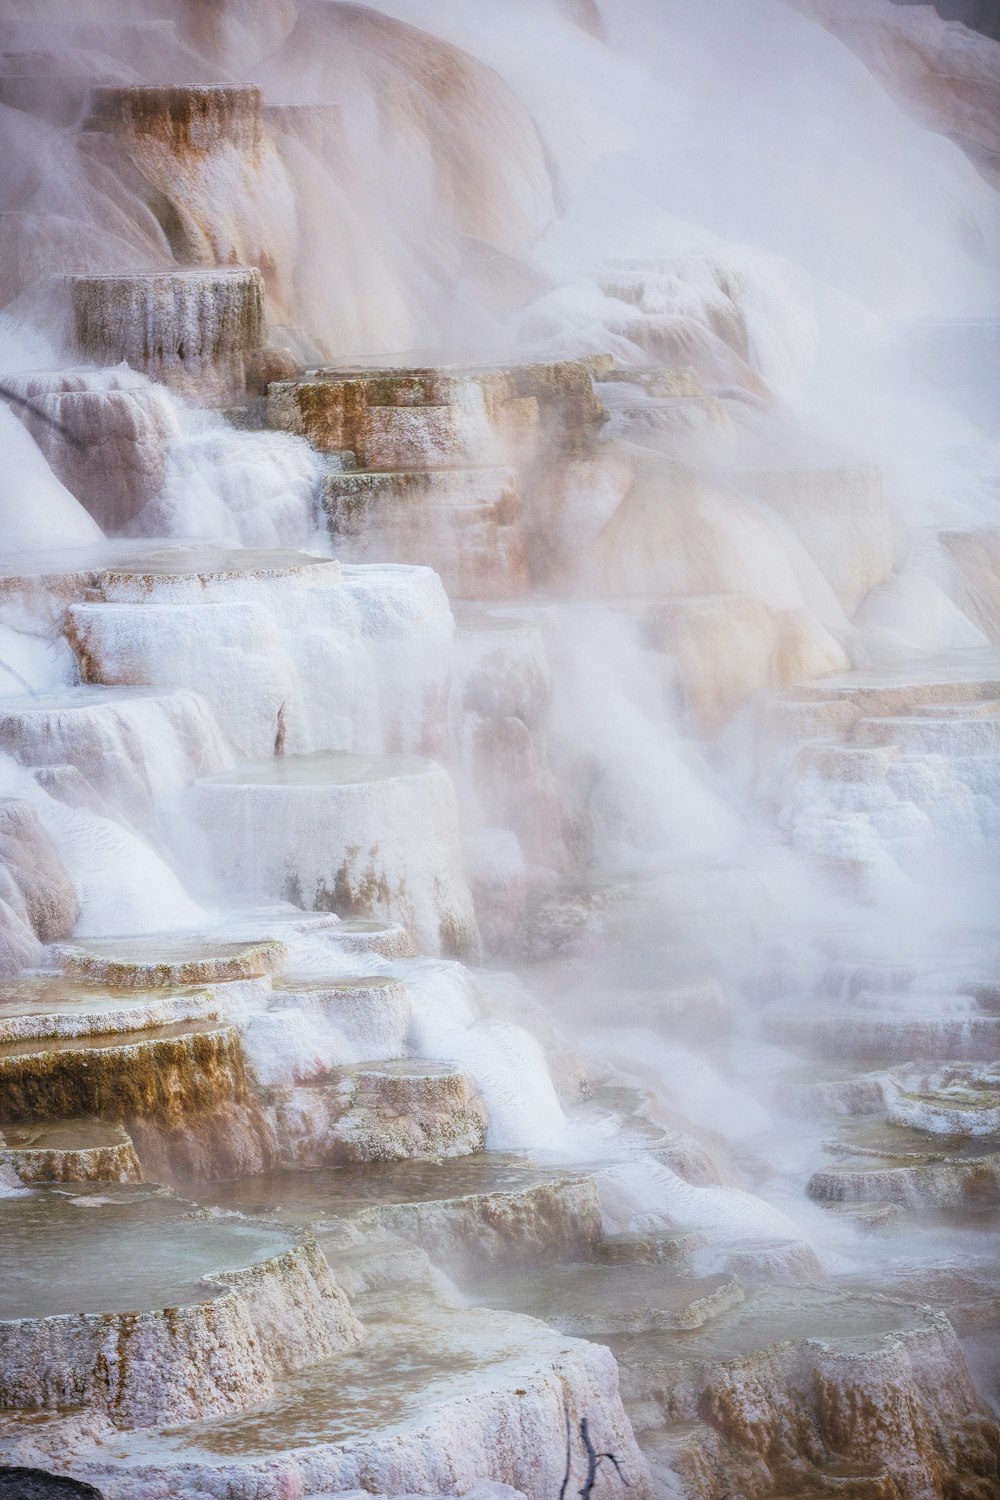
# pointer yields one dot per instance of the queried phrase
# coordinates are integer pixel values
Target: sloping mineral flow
(499, 751)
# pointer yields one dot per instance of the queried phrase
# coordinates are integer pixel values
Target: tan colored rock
(226, 197)
(946, 76)
(170, 962)
(164, 1074)
(386, 1112)
(463, 523)
(411, 418)
(105, 434)
(70, 1151)
(192, 330)
(876, 1396)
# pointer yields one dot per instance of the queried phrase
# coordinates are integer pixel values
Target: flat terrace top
(774, 1315)
(325, 768)
(117, 1250)
(169, 960)
(979, 665)
(56, 994)
(411, 1363)
(152, 558)
(307, 1195)
(84, 699)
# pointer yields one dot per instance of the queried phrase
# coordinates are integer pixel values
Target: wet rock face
(222, 195)
(192, 330)
(881, 1413)
(466, 524)
(191, 118)
(105, 435)
(410, 419)
(34, 1484)
(170, 1077)
(37, 902)
(382, 1114)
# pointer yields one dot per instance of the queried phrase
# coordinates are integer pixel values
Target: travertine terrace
(499, 752)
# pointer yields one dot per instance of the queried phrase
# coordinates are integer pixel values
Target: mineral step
(825, 1089)
(408, 420)
(83, 1150)
(596, 1300)
(371, 1268)
(464, 523)
(131, 745)
(372, 1012)
(164, 1283)
(946, 735)
(127, 571)
(426, 417)
(676, 1369)
(867, 1218)
(368, 935)
(166, 1072)
(194, 330)
(953, 677)
(45, 1005)
(169, 961)
(346, 833)
(969, 1297)
(894, 1037)
(883, 1141)
(357, 935)
(424, 1373)
(948, 1101)
(830, 1353)
(892, 1164)
(389, 1111)
(473, 1210)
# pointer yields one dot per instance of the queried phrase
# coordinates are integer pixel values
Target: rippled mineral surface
(499, 750)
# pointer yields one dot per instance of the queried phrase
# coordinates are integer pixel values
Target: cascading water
(499, 749)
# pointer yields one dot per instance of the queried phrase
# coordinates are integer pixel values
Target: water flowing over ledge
(499, 750)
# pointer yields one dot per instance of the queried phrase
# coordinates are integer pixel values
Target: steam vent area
(499, 750)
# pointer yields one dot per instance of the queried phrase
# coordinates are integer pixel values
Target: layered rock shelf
(345, 833)
(500, 738)
(193, 330)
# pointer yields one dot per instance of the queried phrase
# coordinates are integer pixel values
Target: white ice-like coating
(645, 1195)
(36, 511)
(722, 836)
(507, 1063)
(309, 658)
(250, 489)
(122, 885)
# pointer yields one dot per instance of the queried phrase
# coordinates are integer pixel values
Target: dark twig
(594, 1461)
(6, 667)
(569, 1456)
(43, 416)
